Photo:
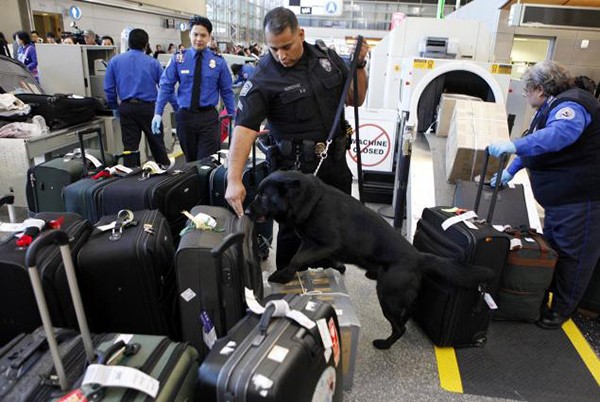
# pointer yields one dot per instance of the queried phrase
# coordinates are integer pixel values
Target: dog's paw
(280, 277)
(382, 344)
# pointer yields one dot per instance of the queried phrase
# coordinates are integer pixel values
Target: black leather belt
(198, 109)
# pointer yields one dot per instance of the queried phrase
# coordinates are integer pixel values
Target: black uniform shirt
(293, 99)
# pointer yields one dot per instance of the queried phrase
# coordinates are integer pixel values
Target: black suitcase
(510, 208)
(62, 110)
(173, 365)
(449, 315)
(126, 275)
(46, 181)
(171, 193)
(18, 311)
(254, 172)
(211, 276)
(205, 167)
(265, 358)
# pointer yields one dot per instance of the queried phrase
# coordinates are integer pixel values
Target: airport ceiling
(571, 3)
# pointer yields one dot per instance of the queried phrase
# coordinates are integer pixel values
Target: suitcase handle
(233, 239)
(484, 166)
(80, 134)
(61, 239)
(9, 200)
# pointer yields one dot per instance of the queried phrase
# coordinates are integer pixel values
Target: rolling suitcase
(449, 315)
(254, 172)
(267, 358)
(510, 208)
(62, 110)
(526, 276)
(126, 275)
(18, 312)
(171, 193)
(46, 181)
(211, 275)
(166, 367)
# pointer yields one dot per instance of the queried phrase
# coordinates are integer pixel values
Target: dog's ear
(302, 193)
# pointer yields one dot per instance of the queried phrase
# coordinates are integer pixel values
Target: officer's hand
(364, 51)
(156, 122)
(500, 148)
(116, 114)
(506, 177)
(235, 195)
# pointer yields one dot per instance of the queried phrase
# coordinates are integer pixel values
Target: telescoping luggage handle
(61, 239)
(486, 160)
(98, 132)
(9, 200)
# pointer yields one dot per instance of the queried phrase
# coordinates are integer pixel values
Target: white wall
(105, 20)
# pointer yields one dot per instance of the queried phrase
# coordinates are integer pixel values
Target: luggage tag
(209, 334)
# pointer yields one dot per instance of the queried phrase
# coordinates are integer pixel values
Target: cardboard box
(474, 126)
(328, 285)
(446, 109)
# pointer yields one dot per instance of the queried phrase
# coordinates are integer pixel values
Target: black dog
(334, 225)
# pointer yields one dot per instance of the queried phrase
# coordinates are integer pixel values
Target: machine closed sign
(424, 63)
(377, 139)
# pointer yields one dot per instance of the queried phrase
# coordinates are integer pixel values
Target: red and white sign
(335, 341)
(377, 132)
(397, 18)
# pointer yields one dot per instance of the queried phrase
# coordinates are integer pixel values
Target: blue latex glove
(156, 122)
(500, 148)
(506, 177)
(116, 113)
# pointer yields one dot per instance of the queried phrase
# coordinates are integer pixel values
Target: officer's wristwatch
(361, 64)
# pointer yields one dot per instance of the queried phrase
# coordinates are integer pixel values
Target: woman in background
(4, 46)
(26, 53)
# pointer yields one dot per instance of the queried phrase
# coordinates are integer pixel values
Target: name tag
(185, 71)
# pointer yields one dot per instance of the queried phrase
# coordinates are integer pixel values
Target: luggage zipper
(168, 370)
(141, 246)
(147, 367)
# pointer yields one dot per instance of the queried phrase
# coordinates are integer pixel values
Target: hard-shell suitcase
(510, 208)
(450, 315)
(266, 358)
(254, 172)
(46, 181)
(168, 369)
(211, 275)
(171, 193)
(526, 276)
(61, 110)
(18, 312)
(126, 275)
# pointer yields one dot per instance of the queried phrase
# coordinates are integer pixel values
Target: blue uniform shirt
(564, 126)
(132, 74)
(245, 72)
(28, 56)
(216, 80)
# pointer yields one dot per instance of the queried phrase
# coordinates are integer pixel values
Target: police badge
(325, 64)
(212, 63)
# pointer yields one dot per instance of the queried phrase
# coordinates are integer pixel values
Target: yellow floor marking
(583, 348)
(448, 369)
(176, 154)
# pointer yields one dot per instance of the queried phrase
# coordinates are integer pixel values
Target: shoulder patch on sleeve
(565, 113)
(246, 88)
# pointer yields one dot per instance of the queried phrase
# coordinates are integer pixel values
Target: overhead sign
(329, 8)
(182, 26)
(75, 13)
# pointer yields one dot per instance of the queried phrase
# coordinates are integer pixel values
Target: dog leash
(341, 104)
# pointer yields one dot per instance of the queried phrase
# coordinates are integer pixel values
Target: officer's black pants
(198, 133)
(333, 173)
(135, 118)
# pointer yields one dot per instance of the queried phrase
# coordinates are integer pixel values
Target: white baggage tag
(490, 301)
(515, 244)
(121, 376)
(458, 218)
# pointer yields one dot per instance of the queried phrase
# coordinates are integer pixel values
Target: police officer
(297, 87)
(560, 151)
(202, 75)
(133, 77)
(242, 72)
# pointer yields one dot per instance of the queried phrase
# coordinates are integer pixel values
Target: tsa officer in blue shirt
(202, 76)
(133, 77)
(242, 72)
(561, 153)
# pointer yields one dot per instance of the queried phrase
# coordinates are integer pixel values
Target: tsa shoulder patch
(565, 113)
(246, 88)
